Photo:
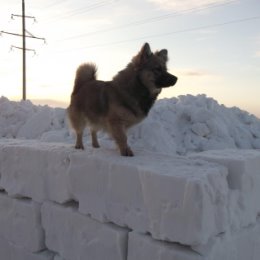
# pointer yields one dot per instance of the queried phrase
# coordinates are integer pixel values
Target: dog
(116, 105)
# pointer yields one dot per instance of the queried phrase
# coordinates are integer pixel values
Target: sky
(213, 46)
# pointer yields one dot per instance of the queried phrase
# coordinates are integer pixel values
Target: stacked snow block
(57, 203)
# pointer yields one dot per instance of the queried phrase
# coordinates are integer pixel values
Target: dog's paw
(80, 147)
(127, 152)
(95, 145)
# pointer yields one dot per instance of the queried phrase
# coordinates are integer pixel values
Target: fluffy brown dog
(116, 105)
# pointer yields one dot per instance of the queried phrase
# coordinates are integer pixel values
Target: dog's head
(152, 68)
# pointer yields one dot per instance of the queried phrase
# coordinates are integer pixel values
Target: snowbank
(190, 193)
(174, 126)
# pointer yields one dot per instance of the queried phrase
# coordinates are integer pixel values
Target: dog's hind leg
(95, 143)
(78, 123)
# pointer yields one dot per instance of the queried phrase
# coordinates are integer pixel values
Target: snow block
(243, 180)
(234, 245)
(20, 223)
(37, 171)
(57, 257)
(12, 252)
(239, 245)
(78, 237)
(143, 247)
(174, 198)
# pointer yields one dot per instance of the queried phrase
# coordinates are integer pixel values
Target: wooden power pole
(24, 50)
(25, 34)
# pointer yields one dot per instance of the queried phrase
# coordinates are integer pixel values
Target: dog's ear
(143, 55)
(163, 54)
(146, 51)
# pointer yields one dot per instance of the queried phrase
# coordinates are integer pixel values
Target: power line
(81, 10)
(170, 33)
(27, 36)
(50, 5)
(55, 3)
(152, 19)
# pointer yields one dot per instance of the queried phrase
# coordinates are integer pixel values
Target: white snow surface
(174, 126)
(194, 182)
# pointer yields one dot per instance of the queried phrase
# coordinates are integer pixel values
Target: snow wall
(57, 203)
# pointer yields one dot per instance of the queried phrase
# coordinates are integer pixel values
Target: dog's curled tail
(85, 72)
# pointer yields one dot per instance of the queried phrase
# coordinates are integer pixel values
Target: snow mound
(24, 120)
(174, 126)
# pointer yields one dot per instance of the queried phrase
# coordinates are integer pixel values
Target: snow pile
(197, 123)
(25, 120)
(174, 126)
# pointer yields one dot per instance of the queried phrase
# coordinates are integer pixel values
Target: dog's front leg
(94, 139)
(79, 141)
(117, 131)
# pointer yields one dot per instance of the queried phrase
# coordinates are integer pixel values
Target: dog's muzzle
(166, 80)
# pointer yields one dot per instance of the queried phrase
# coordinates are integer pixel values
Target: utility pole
(25, 34)
(24, 50)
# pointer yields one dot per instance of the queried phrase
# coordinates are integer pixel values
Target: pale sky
(213, 45)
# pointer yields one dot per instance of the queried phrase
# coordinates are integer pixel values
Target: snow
(240, 245)
(174, 126)
(145, 193)
(76, 236)
(148, 195)
(43, 178)
(243, 180)
(25, 120)
(19, 223)
(144, 247)
(191, 192)
(9, 251)
(233, 245)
